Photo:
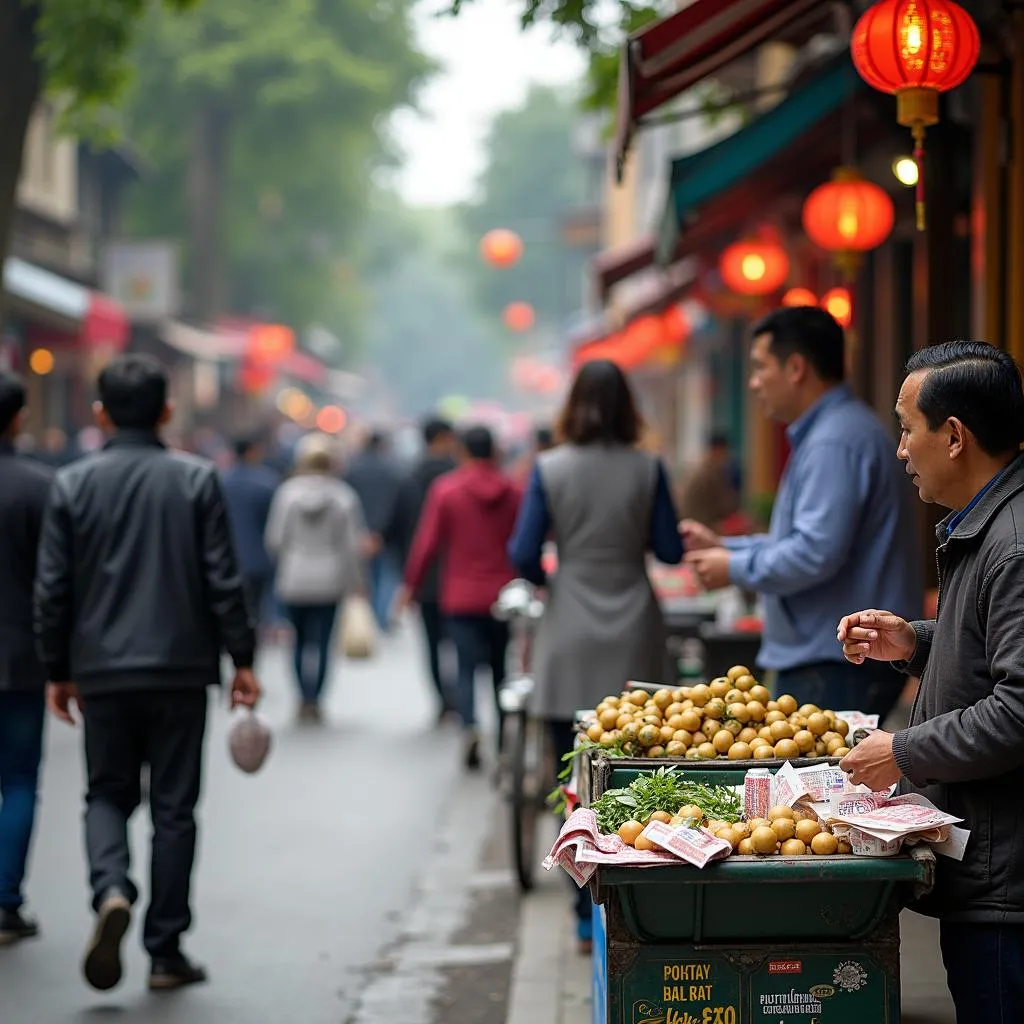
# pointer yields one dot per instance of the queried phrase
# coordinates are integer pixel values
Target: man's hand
(711, 566)
(876, 634)
(58, 699)
(245, 690)
(697, 536)
(373, 544)
(871, 763)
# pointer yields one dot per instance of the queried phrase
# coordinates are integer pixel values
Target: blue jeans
(313, 625)
(873, 687)
(478, 640)
(984, 971)
(385, 577)
(21, 750)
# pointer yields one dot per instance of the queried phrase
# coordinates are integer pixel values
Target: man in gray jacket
(961, 412)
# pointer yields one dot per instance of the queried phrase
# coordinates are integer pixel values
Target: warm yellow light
(285, 397)
(906, 170)
(753, 267)
(848, 225)
(41, 361)
(914, 35)
(331, 420)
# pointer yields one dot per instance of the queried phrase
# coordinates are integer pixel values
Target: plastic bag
(249, 740)
(358, 630)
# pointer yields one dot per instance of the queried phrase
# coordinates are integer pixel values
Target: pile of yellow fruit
(733, 716)
(786, 831)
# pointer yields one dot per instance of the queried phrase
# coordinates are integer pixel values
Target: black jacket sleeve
(53, 604)
(224, 588)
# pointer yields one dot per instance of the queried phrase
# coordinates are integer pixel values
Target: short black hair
(478, 442)
(435, 427)
(12, 398)
(377, 441)
(977, 383)
(809, 332)
(600, 408)
(133, 390)
(244, 445)
(543, 438)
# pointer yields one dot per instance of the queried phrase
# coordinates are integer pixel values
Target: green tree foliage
(532, 181)
(76, 49)
(262, 122)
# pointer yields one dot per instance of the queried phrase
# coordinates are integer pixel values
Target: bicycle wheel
(527, 779)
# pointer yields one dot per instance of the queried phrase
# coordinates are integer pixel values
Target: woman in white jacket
(316, 536)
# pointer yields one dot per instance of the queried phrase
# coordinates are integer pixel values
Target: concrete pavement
(306, 871)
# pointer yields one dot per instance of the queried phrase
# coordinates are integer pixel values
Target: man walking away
(842, 533)
(380, 485)
(26, 484)
(249, 487)
(468, 520)
(136, 594)
(438, 459)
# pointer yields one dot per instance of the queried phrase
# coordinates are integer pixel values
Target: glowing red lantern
(848, 216)
(501, 247)
(799, 297)
(518, 316)
(331, 419)
(839, 303)
(915, 49)
(754, 267)
(270, 343)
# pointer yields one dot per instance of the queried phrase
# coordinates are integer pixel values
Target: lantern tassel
(919, 193)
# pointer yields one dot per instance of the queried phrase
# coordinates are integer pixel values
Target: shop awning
(64, 305)
(785, 145)
(205, 346)
(610, 267)
(671, 55)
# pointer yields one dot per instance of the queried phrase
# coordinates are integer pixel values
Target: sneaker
(14, 927)
(309, 711)
(472, 753)
(173, 972)
(102, 963)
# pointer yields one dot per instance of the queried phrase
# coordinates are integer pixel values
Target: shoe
(309, 712)
(169, 973)
(472, 754)
(14, 927)
(102, 963)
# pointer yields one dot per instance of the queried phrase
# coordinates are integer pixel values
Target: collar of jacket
(976, 521)
(134, 439)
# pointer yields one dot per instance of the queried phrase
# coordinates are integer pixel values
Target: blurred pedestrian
(26, 484)
(708, 495)
(842, 533)
(961, 417)
(607, 503)
(315, 533)
(543, 440)
(467, 522)
(438, 459)
(382, 490)
(249, 487)
(137, 592)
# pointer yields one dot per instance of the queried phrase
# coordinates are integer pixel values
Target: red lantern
(799, 297)
(839, 303)
(518, 316)
(915, 49)
(270, 343)
(754, 267)
(501, 247)
(848, 216)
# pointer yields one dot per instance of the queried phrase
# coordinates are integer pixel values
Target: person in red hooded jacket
(467, 521)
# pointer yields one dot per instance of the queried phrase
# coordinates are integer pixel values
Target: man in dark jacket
(382, 489)
(137, 593)
(249, 487)
(26, 484)
(439, 438)
(961, 412)
(468, 519)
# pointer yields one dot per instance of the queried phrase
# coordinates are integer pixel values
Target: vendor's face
(925, 451)
(770, 380)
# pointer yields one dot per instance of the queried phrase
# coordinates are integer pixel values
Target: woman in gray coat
(315, 533)
(606, 504)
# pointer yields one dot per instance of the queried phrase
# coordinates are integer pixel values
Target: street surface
(305, 870)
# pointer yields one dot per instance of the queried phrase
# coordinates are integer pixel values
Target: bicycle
(528, 767)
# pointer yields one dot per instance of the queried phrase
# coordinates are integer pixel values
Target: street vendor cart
(776, 940)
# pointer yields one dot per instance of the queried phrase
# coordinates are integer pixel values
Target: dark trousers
(479, 640)
(873, 687)
(434, 634)
(984, 971)
(21, 750)
(123, 732)
(563, 739)
(313, 625)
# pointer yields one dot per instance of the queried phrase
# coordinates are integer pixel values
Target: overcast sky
(488, 64)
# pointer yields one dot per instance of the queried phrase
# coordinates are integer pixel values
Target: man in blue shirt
(842, 526)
